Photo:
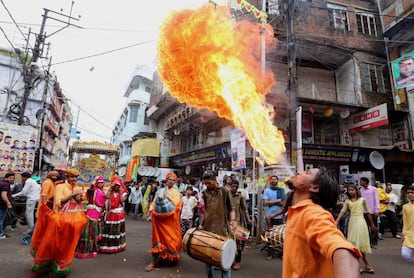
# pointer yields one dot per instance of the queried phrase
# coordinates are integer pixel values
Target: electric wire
(84, 28)
(103, 53)
(8, 40)
(14, 21)
(87, 130)
(84, 110)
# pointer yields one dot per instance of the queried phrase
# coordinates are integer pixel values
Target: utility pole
(260, 168)
(29, 71)
(42, 122)
(292, 73)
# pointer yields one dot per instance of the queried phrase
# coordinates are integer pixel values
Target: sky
(127, 29)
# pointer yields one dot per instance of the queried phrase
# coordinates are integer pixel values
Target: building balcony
(56, 107)
(52, 126)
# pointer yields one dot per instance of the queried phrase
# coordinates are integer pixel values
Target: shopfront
(342, 161)
(195, 162)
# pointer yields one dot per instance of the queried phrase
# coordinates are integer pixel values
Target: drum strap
(226, 210)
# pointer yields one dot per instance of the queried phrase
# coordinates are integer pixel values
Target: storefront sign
(370, 118)
(327, 154)
(400, 135)
(210, 154)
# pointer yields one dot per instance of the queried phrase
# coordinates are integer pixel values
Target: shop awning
(146, 147)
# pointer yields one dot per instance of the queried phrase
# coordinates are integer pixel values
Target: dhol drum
(210, 248)
(276, 235)
(240, 233)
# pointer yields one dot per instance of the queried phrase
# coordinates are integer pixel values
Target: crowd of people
(326, 227)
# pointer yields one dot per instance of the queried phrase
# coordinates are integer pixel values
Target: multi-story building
(330, 60)
(46, 111)
(342, 81)
(133, 118)
(398, 25)
(57, 124)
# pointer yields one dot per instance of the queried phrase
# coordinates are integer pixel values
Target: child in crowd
(358, 233)
(189, 204)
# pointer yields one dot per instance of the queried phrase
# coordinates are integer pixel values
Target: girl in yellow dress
(358, 233)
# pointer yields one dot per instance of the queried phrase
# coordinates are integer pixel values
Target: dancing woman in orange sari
(166, 229)
(57, 232)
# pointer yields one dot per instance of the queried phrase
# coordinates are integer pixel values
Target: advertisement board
(17, 148)
(368, 119)
(238, 149)
(403, 70)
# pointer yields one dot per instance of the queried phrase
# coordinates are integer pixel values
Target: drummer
(219, 212)
(242, 219)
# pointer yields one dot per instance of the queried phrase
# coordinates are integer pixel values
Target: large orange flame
(208, 60)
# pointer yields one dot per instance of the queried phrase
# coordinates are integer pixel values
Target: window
(148, 89)
(273, 7)
(338, 16)
(374, 78)
(326, 130)
(307, 128)
(127, 149)
(366, 23)
(146, 119)
(133, 113)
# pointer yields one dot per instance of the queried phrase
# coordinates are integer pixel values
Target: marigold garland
(252, 9)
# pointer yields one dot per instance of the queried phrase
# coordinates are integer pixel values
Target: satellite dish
(145, 171)
(141, 171)
(157, 172)
(122, 171)
(151, 171)
(377, 160)
(187, 169)
(344, 114)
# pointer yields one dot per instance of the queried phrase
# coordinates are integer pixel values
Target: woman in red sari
(113, 237)
(166, 229)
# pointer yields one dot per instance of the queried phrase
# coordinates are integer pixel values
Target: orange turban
(171, 174)
(72, 172)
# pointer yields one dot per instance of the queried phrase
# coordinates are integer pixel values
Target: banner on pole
(238, 149)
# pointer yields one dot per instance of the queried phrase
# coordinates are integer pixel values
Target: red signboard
(368, 119)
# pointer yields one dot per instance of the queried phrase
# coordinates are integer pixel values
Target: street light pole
(292, 73)
(260, 169)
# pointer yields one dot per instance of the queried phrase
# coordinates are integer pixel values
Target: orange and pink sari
(55, 238)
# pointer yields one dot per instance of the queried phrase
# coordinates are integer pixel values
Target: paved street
(15, 260)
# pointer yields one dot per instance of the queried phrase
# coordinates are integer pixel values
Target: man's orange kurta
(166, 230)
(48, 191)
(61, 192)
(310, 242)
